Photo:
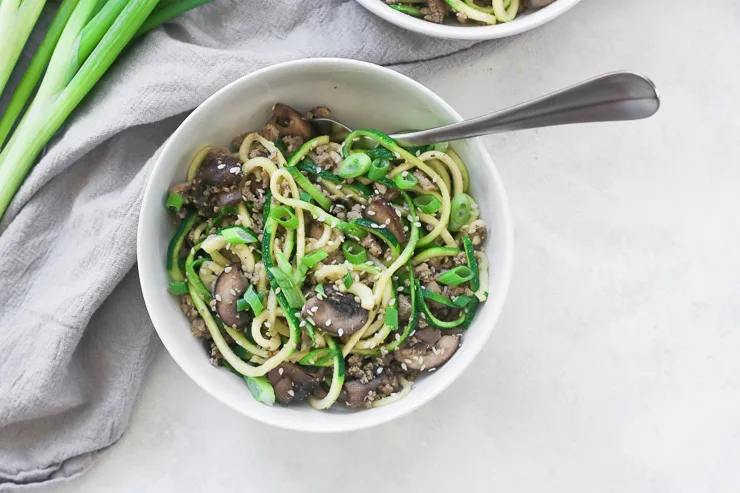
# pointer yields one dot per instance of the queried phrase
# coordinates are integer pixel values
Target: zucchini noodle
(355, 294)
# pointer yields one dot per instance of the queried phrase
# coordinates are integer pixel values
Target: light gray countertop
(614, 366)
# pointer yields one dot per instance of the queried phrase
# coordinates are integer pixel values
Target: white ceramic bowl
(361, 95)
(523, 22)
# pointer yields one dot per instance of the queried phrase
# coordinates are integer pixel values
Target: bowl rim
(147, 280)
(501, 30)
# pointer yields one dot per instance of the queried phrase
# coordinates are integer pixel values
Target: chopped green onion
(459, 211)
(353, 252)
(354, 165)
(405, 180)
(440, 146)
(236, 235)
(320, 290)
(178, 287)
(472, 262)
(441, 299)
(261, 389)
(241, 305)
(253, 300)
(229, 210)
(462, 301)
(284, 216)
(391, 317)
(307, 263)
(305, 196)
(283, 263)
(458, 275)
(174, 202)
(428, 204)
(287, 287)
(378, 169)
(311, 332)
(348, 280)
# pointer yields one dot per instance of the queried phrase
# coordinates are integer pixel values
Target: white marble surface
(614, 367)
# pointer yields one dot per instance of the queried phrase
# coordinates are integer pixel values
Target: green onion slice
(307, 263)
(320, 290)
(174, 202)
(253, 300)
(318, 357)
(441, 299)
(428, 204)
(459, 211)
(236, 235)
(405, 180)
(462, 301)
(348, 280)
(391, 317)
(354, 165)
(229, 210)
(378, 169)
(284, 216)
(178, 287)
(261, 389)
(305, 196)
(287, 287)
(353, 252)
(458, 275)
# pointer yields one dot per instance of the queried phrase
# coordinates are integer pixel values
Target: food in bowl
(320, 271)
(466, 11)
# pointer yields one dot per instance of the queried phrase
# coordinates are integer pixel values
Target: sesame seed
(235, 170)
(297, 314)
(392, 302)
(277, 291)
(328, 322)
(398, 337)
(370, 213)
(403, 365)
(233, 292)
(302, 324)
(280, 371)
(291, 393)
(340, 332)
(418, 153)
(218, 297)
(227, 269)
(380, 370)
(268, 324)
(212, 303)
(405, 174)
(314, 309)
(221, 166)
(417, 224)
(369, 262)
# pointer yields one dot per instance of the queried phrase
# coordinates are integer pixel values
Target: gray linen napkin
(75, 338)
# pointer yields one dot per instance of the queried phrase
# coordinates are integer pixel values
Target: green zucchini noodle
(336, 287)
(473, 12)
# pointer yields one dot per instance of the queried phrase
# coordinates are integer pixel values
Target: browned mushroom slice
(291, 382)
(428, 336)
(338, 313)
(230, 286)
(219, 169)
(436, 356)
(228, 198)
(388, 193)
(355, 393)
(378, 211)
(287, 121)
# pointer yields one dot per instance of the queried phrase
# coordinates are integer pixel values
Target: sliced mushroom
(228, 198)
(428, 336)
(379, 212)
(316, 230)
(338, 313)
(219, 169)
(287, 121)
(434, 357)
(355, 393)
(292, 382)
(230, 286)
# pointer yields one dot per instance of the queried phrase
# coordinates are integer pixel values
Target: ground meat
(198, 328)
(292, 143)
(252, 277)
(424, 273)
(325, 158)
(361, 369)
(372, 245)
(318, 112)
(255, 191)
(335, 257)
(271, 132)
(187, 307)
(340, 211)
(422, 322)
(258, 150)
(477, 232)
(435, 11)
(355, 212)
(424, 181)
(460, 259)
(285, 188)
(215, 355)
(457, 290)
(404, 307)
